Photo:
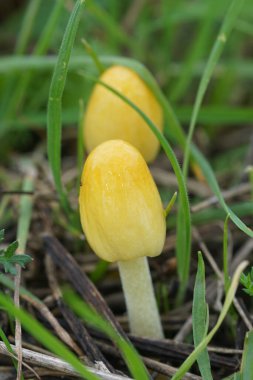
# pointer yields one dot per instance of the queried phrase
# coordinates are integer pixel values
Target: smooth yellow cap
(121, 210)
(108, 117)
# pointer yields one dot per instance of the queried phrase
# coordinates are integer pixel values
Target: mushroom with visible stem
(123, 220)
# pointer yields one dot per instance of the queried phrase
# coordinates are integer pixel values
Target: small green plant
(9, 259)
(247, 282)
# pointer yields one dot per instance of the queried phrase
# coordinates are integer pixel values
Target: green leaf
(247, 282)
(21, 260)
(200, 319)
(9, 268)
(235, 376)
(11, 249)
(247, 362)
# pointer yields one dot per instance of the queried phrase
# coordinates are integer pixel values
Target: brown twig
(22, 233)
(227, 194)
(242, 254)
(164, 178)
(51, 362)
(184, 331)
(18, 329)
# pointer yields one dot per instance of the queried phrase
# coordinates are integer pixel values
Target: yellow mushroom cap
(121, 210)
(109, 117)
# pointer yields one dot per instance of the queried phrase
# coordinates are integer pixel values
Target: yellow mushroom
(123, 220)
(109, 117)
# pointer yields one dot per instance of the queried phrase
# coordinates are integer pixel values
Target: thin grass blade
(196, 50)
(226, 28)
(9, 348)
(20, 48)
(225, 255)
(22, 82)
(228, 301)
(54, 122)
(200, 319)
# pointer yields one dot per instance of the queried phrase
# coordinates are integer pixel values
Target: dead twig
(241, 189)
(56, 364)
(22, 235)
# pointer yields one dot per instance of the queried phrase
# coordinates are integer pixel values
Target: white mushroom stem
(143, 315)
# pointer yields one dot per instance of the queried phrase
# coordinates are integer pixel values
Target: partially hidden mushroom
(123, 220)
(109, 117)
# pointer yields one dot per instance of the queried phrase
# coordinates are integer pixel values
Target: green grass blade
(9, 348)
(43, 336)
(113, 28)
(80, 144)
(42, 45)
(131, 357)
(21, 45)
(247, 362)
(9, 64)
(169, 206)
(54, 122)
(195, 51)
(217, 115)
(235, 376)
(184, 230)
(245, 27)
(213, 214)
(228, 301)
(226, 28)
(225, 255)
(200, 319)
(27, 25)
(26, 206)
(46, 35)
(211, 180)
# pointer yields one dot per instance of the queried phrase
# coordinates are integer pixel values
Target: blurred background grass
(172, 38)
